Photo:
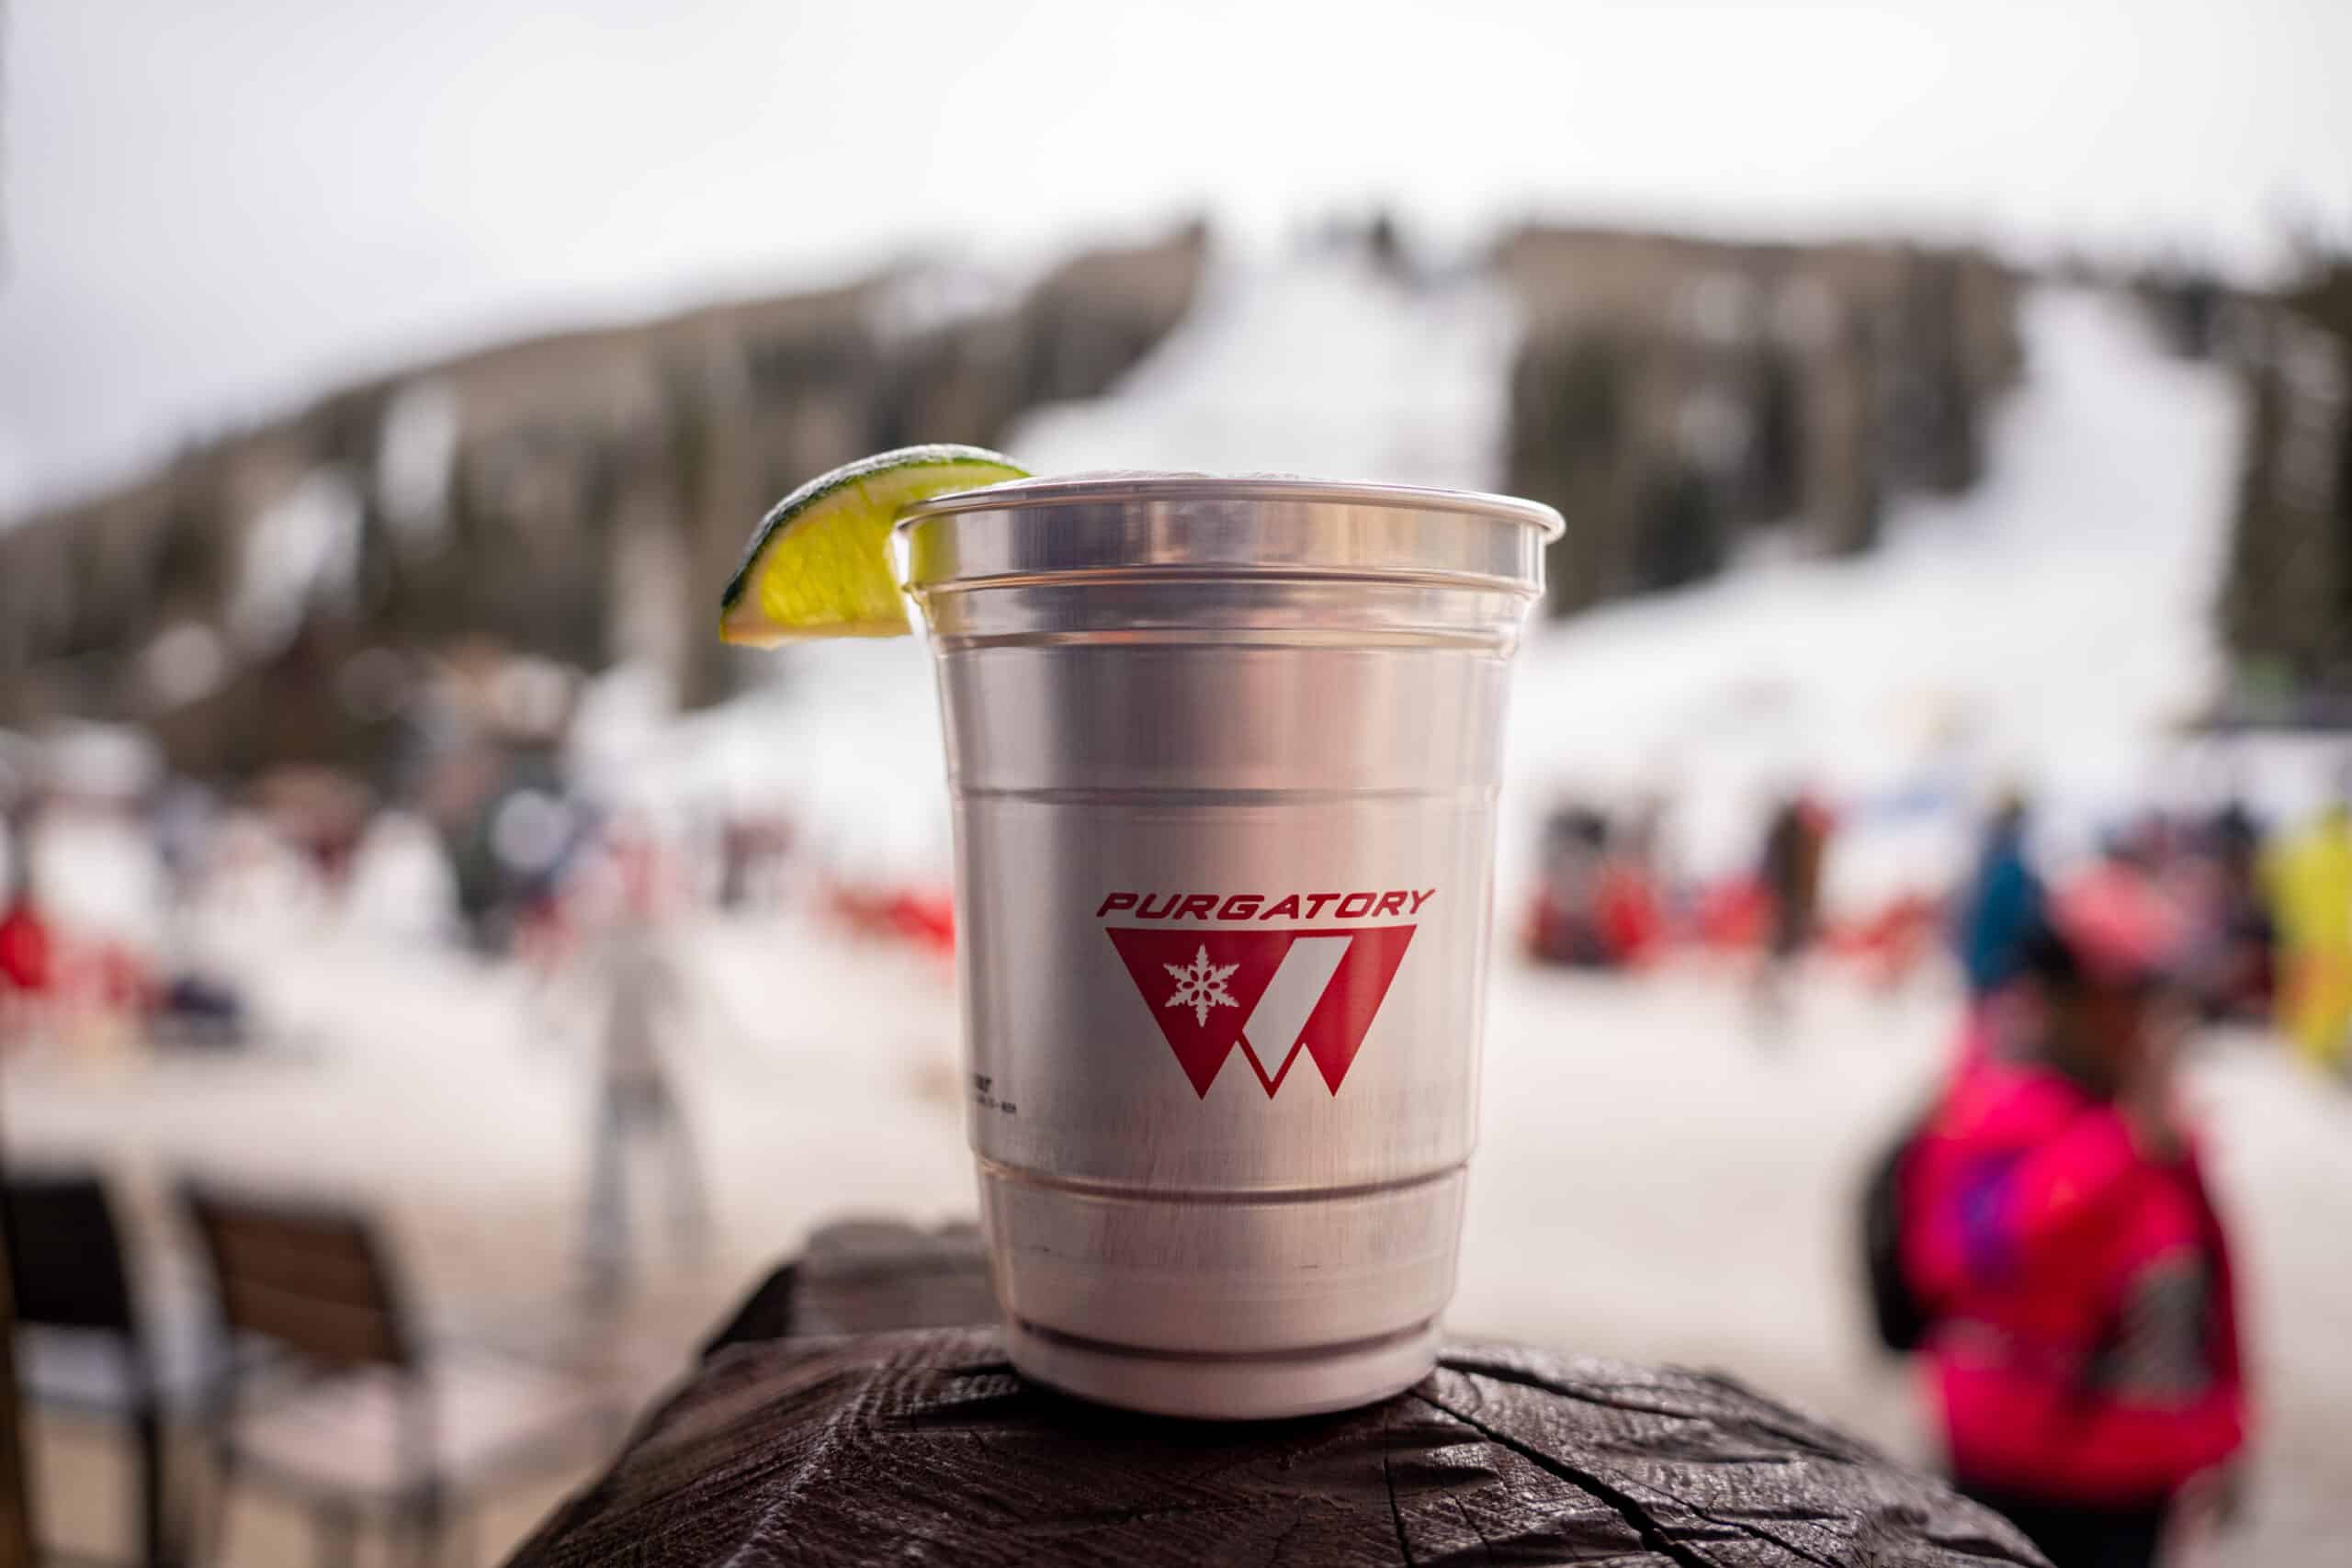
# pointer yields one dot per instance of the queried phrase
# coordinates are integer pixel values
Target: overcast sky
(214, 209)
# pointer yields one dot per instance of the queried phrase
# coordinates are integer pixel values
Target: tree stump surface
(926, 1447)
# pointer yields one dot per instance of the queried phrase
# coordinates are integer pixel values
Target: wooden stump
(924, 1446)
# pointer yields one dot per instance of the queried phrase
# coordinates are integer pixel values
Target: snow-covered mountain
(2050, 629)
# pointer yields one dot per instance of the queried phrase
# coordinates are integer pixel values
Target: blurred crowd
(117, 881)
(484, 839)
(2265, 910)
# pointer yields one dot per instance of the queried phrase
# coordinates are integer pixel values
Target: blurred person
(188, 1001)
(520, 852)
(1631, 913)
(2239, 967)
(2310, 879)
(182, 820)
(322, 813)
(1796, 845)
(2082, 1334)
(636, 1102)
(28, 956)
(753, 848)
(1564, 925)
(1596, 903)
(87, 921)
(2002, 903)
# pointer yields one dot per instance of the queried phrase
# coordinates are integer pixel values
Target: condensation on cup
(1224, 755)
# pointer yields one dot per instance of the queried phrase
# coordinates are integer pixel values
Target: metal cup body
(1222, 757)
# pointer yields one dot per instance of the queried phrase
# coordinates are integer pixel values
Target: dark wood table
(923, 1446)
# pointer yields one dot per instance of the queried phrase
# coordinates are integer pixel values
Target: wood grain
(926, 1447)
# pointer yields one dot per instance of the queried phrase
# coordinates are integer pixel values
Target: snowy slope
(1324, 365)
(2044, 629)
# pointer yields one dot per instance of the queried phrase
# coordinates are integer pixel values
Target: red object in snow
(923, 920)
(28, 951)
(926, 919)
(1732, 914)
(1633, 927)
(117, 978)
(1893, 941)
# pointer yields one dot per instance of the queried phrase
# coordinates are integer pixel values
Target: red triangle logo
(1203, 989)
(1335, 1030)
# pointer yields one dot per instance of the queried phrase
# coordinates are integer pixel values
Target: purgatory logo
(1272, 993)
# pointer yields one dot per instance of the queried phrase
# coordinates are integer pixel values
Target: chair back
(66, 1267)
(310, 1278)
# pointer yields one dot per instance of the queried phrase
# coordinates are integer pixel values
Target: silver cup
(1224, 754)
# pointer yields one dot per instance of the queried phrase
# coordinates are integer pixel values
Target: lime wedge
(820, 563)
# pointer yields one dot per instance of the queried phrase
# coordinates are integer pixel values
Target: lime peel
(819, 564)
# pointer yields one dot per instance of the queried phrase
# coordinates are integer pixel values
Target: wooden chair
(355, 1416)
(71, 1279)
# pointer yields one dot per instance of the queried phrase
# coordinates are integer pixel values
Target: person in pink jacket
(2085, 1352)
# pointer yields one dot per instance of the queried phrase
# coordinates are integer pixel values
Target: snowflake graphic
(1200, 985)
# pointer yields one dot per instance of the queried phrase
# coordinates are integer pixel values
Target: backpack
(1900, 1318)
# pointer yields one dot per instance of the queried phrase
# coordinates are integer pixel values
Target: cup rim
(1136, 486)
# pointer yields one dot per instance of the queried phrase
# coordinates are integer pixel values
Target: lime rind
(819, 564)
